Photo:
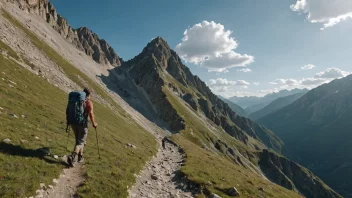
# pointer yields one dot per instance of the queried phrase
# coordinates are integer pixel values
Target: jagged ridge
(83, 38)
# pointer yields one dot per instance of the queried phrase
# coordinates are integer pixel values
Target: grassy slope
(203, 166)
(44, 105)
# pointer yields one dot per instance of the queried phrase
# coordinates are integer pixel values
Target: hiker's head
(87, 91)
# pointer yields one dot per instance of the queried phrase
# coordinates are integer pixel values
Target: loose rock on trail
(160, 178)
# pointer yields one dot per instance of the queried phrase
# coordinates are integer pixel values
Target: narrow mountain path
(65, 186)
(160, 178)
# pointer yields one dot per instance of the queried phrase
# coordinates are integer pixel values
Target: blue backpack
(75, 108)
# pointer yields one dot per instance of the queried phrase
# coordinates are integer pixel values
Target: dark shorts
(81, 133)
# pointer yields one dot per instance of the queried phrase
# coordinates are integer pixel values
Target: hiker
(79, 121)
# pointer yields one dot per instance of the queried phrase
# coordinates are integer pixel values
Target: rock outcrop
(97, 48)
(83, 38)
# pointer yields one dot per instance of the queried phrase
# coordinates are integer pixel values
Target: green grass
(44, 106)
(8, 50)
(203, 166)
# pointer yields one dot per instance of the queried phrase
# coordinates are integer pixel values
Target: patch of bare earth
(65, 186)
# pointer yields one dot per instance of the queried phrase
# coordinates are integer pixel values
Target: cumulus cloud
(331, 73)
(245, 70)
(256, 83)
(307, 67)
(211, 46)
(320, 78)
(225, 82)
(226, 87)
(313, 81)
(327, 12)
(283, 82)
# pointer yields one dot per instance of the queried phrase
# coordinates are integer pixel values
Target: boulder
(233, 192)
(213, 195)
(7, 141)
(131, 145)
(154, 177)
(14, 115)
(23, 141)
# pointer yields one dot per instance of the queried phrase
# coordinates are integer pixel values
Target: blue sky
(280, 38)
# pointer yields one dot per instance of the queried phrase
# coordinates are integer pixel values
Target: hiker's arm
(91, 116)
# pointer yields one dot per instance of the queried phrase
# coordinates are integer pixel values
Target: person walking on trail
(80, 128)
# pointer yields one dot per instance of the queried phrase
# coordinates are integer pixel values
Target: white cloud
(313, 81)
(328, 12)
(283, 82)
(256, 83)
(245, 70)
(225, 82)
(331, 73)
(320, 78)
(307, 67)
(211, 46)
(226, 87)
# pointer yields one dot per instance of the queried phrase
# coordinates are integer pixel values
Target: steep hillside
(199, 119)
(221, 152)
(32, 116)
(82, 38)
(275, 105)
(253, 103)
(33, 101)
(257, 107)
(234, 107)
(316, 130)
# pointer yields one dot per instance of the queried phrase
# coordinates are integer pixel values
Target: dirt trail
(161, 178)
(65, 186)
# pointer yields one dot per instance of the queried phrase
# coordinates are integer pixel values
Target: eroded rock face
(291, 175)
(97, 48)
(146, 70)
(83, 38)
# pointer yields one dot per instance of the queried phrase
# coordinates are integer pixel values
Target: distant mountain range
(237, 109)
(276, 105)
(317, 131)
(252, 103)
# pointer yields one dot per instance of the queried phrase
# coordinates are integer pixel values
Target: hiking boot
(71, 159)
(80, 158)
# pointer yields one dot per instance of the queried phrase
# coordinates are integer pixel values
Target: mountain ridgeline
(236, 108)
(82, 38)
(276, 105)
(316, 130)
(252, 103)
(157, 66)
(158, 69)
(222, 148)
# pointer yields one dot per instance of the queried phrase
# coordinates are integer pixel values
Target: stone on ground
(233, 192)
(7, 141)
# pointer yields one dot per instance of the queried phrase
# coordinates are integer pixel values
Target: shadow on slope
(15, 150)
(122, 84)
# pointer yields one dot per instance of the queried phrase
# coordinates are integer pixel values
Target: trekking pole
(97, 141)
(68, 136)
